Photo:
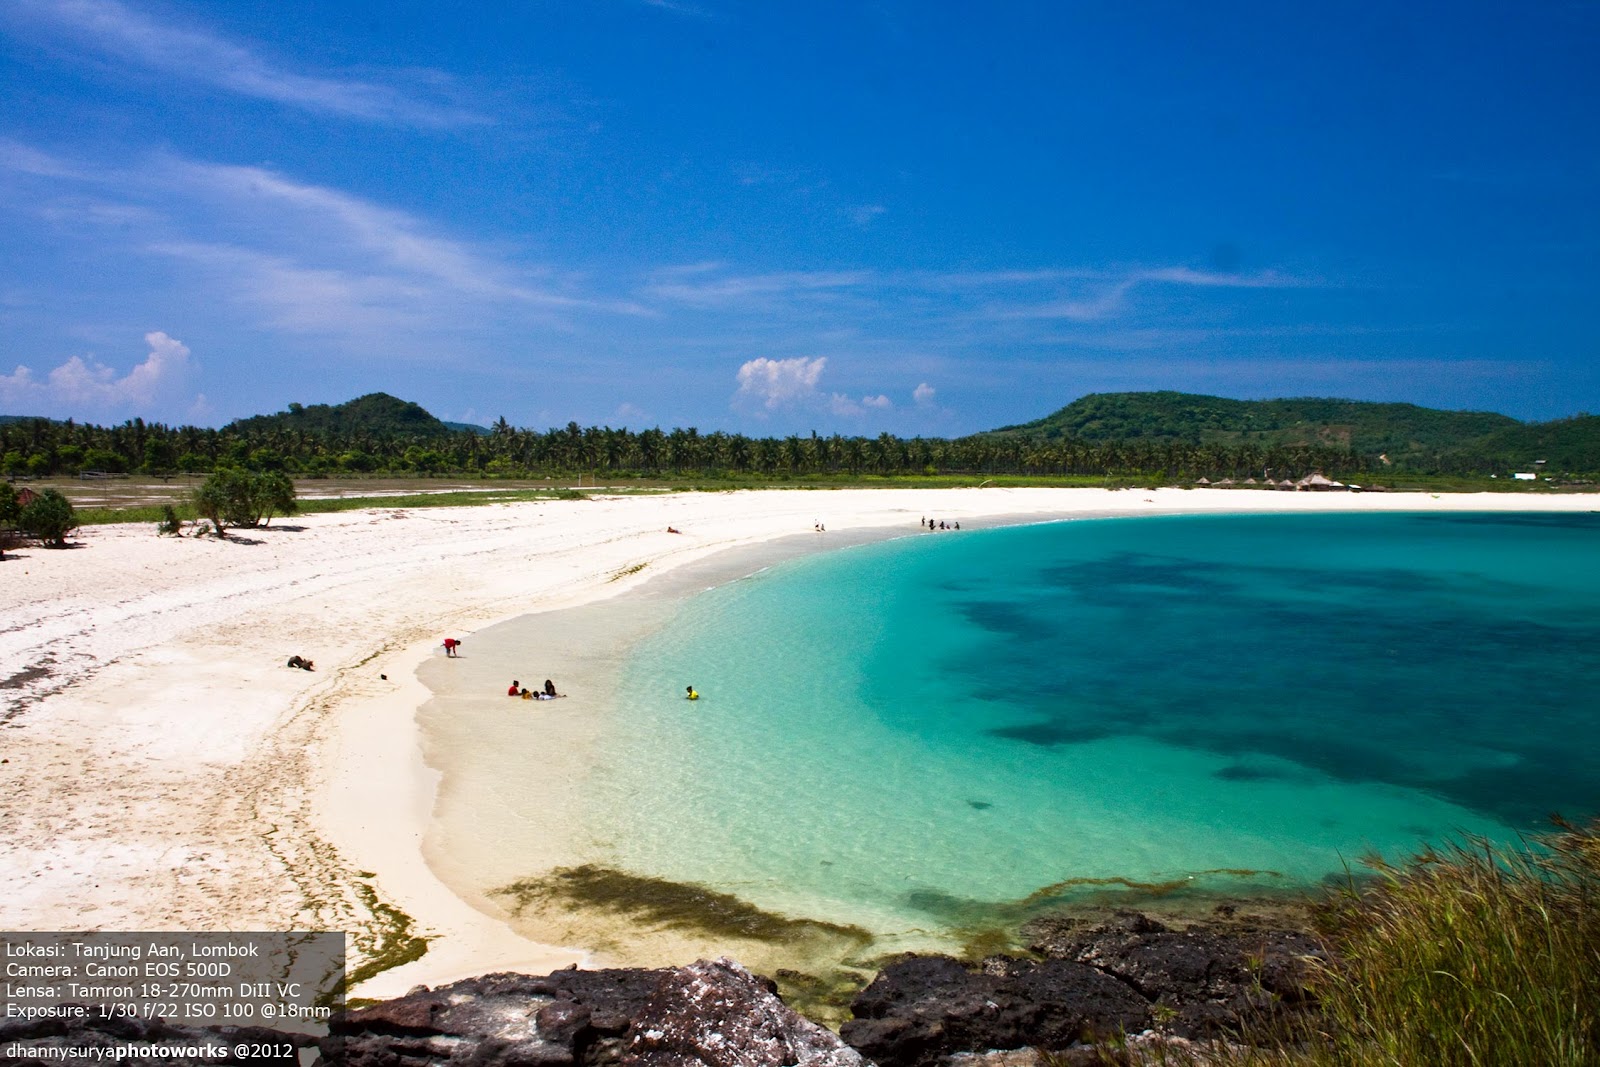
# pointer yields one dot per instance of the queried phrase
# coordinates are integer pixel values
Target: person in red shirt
(450, 646)
(516, 688)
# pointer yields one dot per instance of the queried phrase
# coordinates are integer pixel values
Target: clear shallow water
(918, 734)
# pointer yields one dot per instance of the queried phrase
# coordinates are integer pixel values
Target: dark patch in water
(1238, 772)
(1555, 520)
(1050, 734)
(1423, 669)
(1006, 619)
(975, 919)
(980, 805)
(673, 905)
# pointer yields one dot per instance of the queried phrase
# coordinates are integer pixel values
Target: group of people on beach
(517, 689)
(928, 524)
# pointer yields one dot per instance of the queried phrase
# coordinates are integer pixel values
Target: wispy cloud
(706, 286)
(84, 383)
(678, 7)
(392, 238)
(115, 31)
(1093, 296)
(1219, 279)
(19, 158)
(864, 214)
(308, 258)
(323, 260)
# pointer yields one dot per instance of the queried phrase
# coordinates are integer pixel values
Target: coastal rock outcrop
(921, 1010)
(1210, 978)
(712, 1013)
(1124, 976)
(103, 1040)
(1129, 975)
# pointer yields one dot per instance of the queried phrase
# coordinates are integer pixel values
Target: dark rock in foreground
(101, 1041)
(1124, 976)
(922, 1009)
(713, 1013)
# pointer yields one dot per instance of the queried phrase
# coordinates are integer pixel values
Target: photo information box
(167, 997)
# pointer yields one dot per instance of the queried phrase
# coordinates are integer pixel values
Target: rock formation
(1121, 977)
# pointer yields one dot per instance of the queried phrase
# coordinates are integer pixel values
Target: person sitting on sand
(692, 694)
(450, 646)
(673, 530)
(302, 663)
(526, 695)
(549, 687)
(516, 687)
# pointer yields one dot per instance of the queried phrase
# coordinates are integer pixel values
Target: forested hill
(1173, 436)
(376, 415)
(1401, 431)
(1565, 444)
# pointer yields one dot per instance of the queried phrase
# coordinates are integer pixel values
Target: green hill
(1565, 444)
(1401, 431)
(376, 415)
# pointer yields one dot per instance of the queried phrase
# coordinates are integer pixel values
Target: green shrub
(49, 517)
(233, 497)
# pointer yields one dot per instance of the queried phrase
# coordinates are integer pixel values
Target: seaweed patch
(680, 906)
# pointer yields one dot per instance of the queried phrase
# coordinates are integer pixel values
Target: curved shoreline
(165, 771)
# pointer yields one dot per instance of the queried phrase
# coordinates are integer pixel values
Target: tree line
(39, 447)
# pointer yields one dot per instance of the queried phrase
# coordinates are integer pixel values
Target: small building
(1530, 476)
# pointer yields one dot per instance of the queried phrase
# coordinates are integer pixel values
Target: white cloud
(87, 384)
(923, 394)
(839, 404)
(627, 413)
(775, 383)
(196, 54)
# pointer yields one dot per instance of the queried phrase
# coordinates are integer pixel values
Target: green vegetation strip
(464, 498)
(673, 905)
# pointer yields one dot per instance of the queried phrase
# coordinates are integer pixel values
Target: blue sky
(927, 218)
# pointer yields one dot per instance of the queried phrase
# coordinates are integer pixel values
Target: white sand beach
(164, 770)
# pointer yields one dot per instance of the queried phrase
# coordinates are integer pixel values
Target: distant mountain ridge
(1399, 431)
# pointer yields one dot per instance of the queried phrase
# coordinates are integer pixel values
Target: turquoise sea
(916, 734)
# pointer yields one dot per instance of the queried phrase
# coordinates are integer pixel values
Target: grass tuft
(1471, 955)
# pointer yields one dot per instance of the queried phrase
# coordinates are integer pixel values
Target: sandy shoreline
(164, 770)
